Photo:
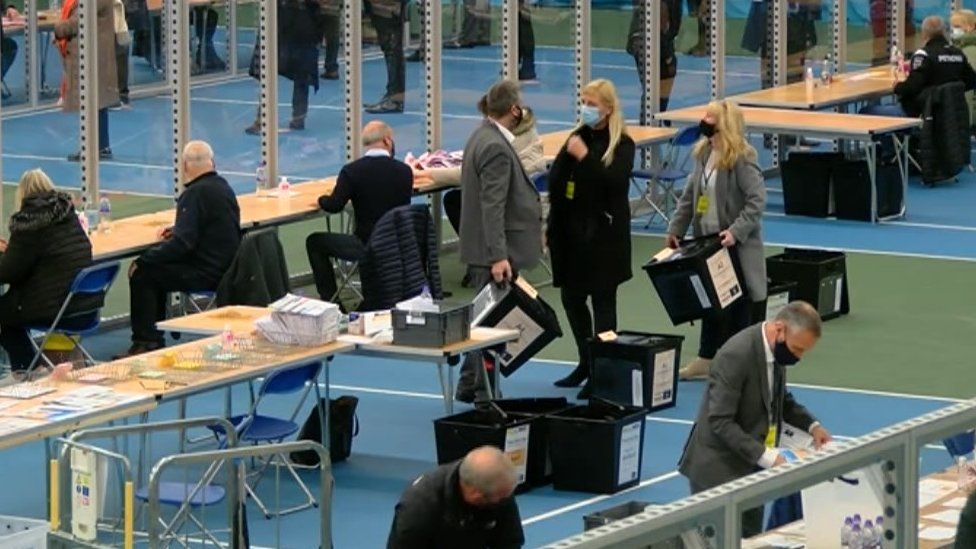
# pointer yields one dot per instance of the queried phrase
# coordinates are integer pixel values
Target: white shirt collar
(376, 152)
(766, 346)
(505, 131)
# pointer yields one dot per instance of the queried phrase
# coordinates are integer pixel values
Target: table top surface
(845, 88)
(45, 20)
(239, 318)
(643, 136)
(840, 125)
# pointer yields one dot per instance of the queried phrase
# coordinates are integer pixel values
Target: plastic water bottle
(425, 294)
(879, 531)
(895, 61)
(845, 531)
(284, 187)
(867, 535)
(855, 541)
(104, 214)
(91, 214)
(261, 177)
(227, 339)
(808, 78)
(826, 74)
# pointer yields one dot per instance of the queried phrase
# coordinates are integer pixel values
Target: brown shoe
(696, 369)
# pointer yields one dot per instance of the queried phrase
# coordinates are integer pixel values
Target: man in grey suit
(501, 217)
(746, 403)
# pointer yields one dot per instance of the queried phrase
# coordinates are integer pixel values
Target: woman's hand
(671, 241)
(3, 245)
(576, 147)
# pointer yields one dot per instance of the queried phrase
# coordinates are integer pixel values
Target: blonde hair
(729, 142)
(31, 182)
(964, 18)
(605, 92)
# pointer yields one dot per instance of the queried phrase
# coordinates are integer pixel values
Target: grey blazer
(501, 217)
(728, 436)
(740, 195)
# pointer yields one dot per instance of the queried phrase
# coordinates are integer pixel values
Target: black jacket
(670, 27)
(589, 234)
(400, 259)
(258, 275)
(300, 24)
(432, 514)
(943, 145)
(966, 531)
(47, 249)
(937, 63)
(375, 185)
(207, 230)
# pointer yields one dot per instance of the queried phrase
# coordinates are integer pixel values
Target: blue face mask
(589, 115)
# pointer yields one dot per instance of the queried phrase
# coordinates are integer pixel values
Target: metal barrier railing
(715, 514)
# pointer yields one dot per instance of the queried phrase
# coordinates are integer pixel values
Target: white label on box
(775, 303)
(663, 389)
(416, 319)
(527, 288)
(630, 440)
(723, 276)
(838, 290)
(517, 449)
(528, 330)
(700, 290)
(637, 388)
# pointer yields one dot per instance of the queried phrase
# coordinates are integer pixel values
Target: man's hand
(501, 270)
(821, 436)
(672, 241)
(780, 460)
(165, 233)
(132, 268)
(576, 147)
(727, 239)
(3, 245)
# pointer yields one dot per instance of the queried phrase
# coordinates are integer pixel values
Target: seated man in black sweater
(193, 254)
(376, 183)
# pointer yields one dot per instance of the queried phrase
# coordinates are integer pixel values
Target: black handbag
(343, 424)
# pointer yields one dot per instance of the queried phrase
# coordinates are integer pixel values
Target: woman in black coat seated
(47, 249)
(588, 232)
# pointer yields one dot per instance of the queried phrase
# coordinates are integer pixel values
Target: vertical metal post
(776, 30)
(651, 50)
(178, 68)
(88, 98)
(716, 42)
(31, 57)
(582, 49)
(509, 39)
(954, 5)
(352, 44)
(431, 15)
(896, 19)
(232, 38)
(268, 36)
(839, 37)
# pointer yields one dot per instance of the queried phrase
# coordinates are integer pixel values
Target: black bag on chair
(343, 424)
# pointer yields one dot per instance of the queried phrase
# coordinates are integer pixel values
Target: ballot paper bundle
(297, 320)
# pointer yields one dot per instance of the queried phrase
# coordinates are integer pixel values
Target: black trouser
(204, 22)
(122, 71)
(103, 140)
(452, 207)
(751, 518)
(299, 99)
(476, 26)
(718, 326)
(321, 248)
(526, 45)
(148, 288)
(389, 33)
(331, 34)
(470, 376)
(667, 78)
(16, 341)
(8, 52)
(582, 322)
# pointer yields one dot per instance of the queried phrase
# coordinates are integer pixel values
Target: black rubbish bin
(820, 277)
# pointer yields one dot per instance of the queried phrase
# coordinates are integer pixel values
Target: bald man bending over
(376, 183)
(461, 505)
(193, 254)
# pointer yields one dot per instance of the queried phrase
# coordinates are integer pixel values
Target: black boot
(577, 376)
(586, 392)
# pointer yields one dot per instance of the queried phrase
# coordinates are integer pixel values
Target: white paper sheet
(949, 516)
(630, 441)
(663, 390)
(930, 490)
(955, 503)
(517, 449)
(723, 276)
(936, 533)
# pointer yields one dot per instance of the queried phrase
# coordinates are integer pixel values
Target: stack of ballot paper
(297, 320)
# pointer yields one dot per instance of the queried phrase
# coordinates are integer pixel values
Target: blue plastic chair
(658, 191)
(962, 444)
(90, 281)
(256, 428)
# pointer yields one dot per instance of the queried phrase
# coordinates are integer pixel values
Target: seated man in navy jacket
(193, 254)
(376, 183)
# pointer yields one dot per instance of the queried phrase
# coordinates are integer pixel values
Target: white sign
(838, 289)
(528, 329)
(630, 451)
(775, 304)
(517, 449)
(700, 290)
(637, 388)
(663, 389)
(723, 277)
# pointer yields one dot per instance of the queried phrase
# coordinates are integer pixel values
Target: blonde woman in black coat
(588, 232)
(46, 250)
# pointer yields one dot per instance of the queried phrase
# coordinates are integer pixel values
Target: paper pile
(297, 320)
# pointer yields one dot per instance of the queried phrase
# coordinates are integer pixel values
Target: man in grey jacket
(501, 216)
(746, 404)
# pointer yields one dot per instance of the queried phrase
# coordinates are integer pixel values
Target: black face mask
(782, 354)
(392, 149)
(706, 128)
(519, 117)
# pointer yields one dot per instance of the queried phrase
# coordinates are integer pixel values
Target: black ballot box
(778, 294)
(699, 276)
(636, 369)
(516, 306)
(820, 277)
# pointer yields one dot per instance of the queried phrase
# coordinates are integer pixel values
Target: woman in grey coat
(66, 34)
(725, 194)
